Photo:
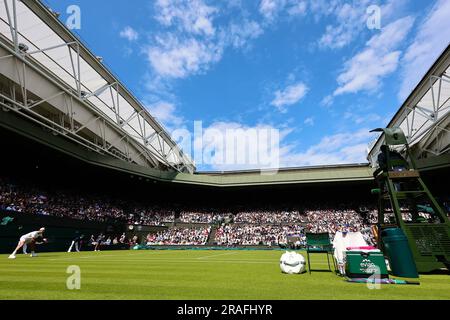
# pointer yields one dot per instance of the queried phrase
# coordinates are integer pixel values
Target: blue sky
(311, 69)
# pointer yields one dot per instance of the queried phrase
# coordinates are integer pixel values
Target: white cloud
(165, 113)
(129, 33)
(431, 39)
(212, 151)
(327, 101)
(392, 8)
(359, 119)
(298, 8)
(175, 58)
(321, 8)
(236, 146)
(289, 96)
(193, 16)
(351, 19)
(270, 9)
(336, 37)
(309, 121)
(240, 33)
(379, 58)
(189, 42)
(340, 148)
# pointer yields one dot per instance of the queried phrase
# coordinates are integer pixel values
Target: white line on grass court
(138, 254)
(101, 256)
(150, 260)
(217, 255)
(177, 260)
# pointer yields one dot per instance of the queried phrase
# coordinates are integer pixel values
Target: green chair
(319, 243)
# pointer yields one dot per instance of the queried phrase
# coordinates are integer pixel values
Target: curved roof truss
(81, 98)
(424, 116)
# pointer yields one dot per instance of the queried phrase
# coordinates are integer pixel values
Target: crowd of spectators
(270, 216)
(235, 225)
(196, 217)
(205, 216)
(180, 236)
(332, 220)
(244, 227)
(151, 216)
(254, 234)
(32, 200)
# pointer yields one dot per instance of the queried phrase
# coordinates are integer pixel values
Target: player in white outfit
(30, 240)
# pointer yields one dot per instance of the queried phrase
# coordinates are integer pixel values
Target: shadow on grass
(321, 270)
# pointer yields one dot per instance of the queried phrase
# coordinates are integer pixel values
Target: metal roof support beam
(116, 104)
(439, 135)
(62, 31)
(50, 48)
(76, 75)
(87, 124)
(430, 115)
(424, 107)
(12, 23)
(114, 144)
(25, 61)
(99, 90)
(35, 104)
(140, 133)
(134, 115)
(54, 126)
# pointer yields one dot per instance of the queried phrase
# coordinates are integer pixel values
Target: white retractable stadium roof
(424, 116)
(61, 52)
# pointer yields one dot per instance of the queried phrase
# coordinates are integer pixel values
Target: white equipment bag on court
(292, 263)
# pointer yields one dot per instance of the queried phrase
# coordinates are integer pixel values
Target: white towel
(341, 243)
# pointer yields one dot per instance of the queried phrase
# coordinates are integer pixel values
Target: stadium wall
(59, 231)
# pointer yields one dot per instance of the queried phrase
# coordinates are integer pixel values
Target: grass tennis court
(200, 274)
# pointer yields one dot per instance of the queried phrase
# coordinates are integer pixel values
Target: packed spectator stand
(233, 226)
(255, 234)
(180, 236)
